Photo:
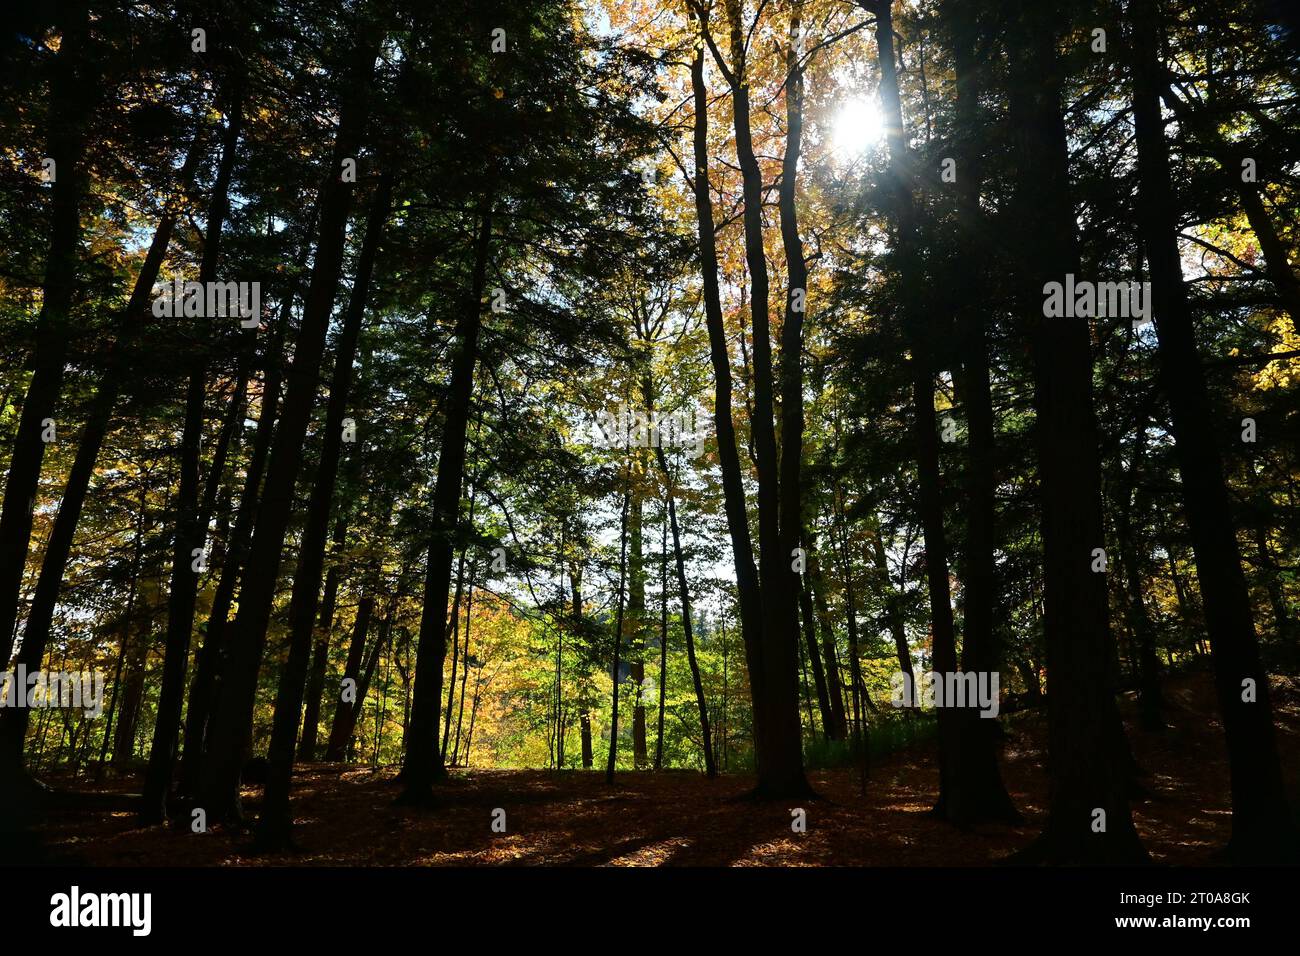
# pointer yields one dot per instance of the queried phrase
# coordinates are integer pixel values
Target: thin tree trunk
(69, 112)
(275, 823)
(634, 621)
(203, 688)
(321, 652)
(924, 424)
(191, 524)
(618, 623)
(1262, 828)
(663, 641)
(834, 686)
(423, 761)
(345, 713)
(710, 767)
(36, 633)
(230, 733)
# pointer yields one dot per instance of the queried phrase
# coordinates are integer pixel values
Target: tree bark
(275, 823)
(1085, 775)
(69, 110)
(423, 761)
(1262, 828)
(230, 733)
(203, 688)
(925, 432)
(710, 768)
(191, 524)
(36, 632)
(321, 652)
(979, 794)
(618, 625)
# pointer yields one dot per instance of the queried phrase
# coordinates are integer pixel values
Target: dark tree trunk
(128, 715)
(634, 621)
(423, 761)
(345, 713)
(834, 686)
(1141, 627)
(978, 795)
(203, 688)
(663, 639)
(453, 631)
(230, 732)
(925, 432)
(1262, 828)
(618, 625)
(275, 823)
(894, 612)
(734, 503)
(710, 768)
(464, 671)
(778, 736)
(584, 721)
(69, 110)
(860, 744)
(321, 651)
(1084, 774)
(191, 523)
(36, 632)
(815, 659)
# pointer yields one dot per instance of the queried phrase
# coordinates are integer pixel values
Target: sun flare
(856, 127)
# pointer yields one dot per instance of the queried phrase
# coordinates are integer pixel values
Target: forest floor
(345, 815)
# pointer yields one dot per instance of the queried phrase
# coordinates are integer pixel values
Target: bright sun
(857, 127)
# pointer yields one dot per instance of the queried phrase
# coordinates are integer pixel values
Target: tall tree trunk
(893, 611)
(137, 553)
(925, 431)
(36, 632)
(584, 713)
(275, 823)
(663, 640)
(710, 768)
(1085, 774)
(423, 761)
(128, 716)
(321, 651)
(69, 110)
(834, 686)
(734, 498)
(634, 621)
(1140, 624)
(191, 524)
(230, 733)
(778, 736)
(453, 631)
(208, 666)
(979, 795)
(618, 624)
(1262, 828)
(860, 744)
(464, 671)
(346, 713)
(815, 658)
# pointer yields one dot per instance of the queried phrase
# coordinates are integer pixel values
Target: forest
(650, 432)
